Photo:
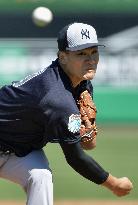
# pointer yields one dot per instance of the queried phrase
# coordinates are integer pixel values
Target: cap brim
(83, 46)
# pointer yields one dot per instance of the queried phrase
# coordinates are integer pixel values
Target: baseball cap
(77, 36)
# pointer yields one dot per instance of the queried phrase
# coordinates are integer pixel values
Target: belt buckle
(7, 152)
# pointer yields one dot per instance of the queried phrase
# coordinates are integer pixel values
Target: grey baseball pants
(32, 172)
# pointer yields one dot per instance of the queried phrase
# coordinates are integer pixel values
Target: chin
(88, 77)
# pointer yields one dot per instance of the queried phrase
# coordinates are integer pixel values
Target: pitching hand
(119, 186)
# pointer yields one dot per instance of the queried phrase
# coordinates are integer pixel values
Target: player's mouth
(90, 70)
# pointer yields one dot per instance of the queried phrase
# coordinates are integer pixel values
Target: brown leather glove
(88, 130)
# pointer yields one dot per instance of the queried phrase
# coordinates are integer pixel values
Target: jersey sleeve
(62, 119)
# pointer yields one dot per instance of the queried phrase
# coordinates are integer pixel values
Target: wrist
(110, 183)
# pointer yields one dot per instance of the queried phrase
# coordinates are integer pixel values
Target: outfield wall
(116, 105)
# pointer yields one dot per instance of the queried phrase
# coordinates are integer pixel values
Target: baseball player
(44, 107)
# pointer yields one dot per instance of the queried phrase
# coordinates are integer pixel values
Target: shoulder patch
(74, 123)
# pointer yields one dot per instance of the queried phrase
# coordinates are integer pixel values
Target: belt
(5, 153)
(4, 150)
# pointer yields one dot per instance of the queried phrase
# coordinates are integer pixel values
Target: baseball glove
(88, 130)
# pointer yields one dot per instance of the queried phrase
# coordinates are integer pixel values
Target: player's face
(81, 65)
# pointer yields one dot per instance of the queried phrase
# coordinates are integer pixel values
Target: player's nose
(93, 59)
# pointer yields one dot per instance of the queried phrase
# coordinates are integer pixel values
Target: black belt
(5, 150)
(5, 153)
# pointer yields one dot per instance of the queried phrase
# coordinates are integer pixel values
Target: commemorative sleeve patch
(74, 123)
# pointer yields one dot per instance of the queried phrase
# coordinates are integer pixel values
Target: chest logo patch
(74, 123)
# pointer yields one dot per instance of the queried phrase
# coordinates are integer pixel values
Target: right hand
(119, 186)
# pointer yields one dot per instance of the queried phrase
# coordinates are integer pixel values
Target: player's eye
(81, 54)
(94, 52)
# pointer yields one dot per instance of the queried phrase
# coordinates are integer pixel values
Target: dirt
(92, 202)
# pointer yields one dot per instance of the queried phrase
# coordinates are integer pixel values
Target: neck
(75, 83)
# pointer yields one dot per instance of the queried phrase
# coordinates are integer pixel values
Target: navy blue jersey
(40, 108)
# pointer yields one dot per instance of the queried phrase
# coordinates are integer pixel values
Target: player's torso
(31, 111)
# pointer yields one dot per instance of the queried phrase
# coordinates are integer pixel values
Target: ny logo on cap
(85, 33)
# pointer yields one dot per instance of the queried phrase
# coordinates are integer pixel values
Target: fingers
(119, 186)
(123, 187)
(88, 145)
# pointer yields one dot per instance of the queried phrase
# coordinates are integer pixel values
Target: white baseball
(42, 16)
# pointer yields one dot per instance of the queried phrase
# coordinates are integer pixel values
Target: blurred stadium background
(26, 48)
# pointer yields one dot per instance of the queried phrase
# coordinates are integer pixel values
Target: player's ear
(62, 56)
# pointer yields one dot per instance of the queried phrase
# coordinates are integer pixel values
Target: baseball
(42, 16)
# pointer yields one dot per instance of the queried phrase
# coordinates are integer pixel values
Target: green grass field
(116, 151)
